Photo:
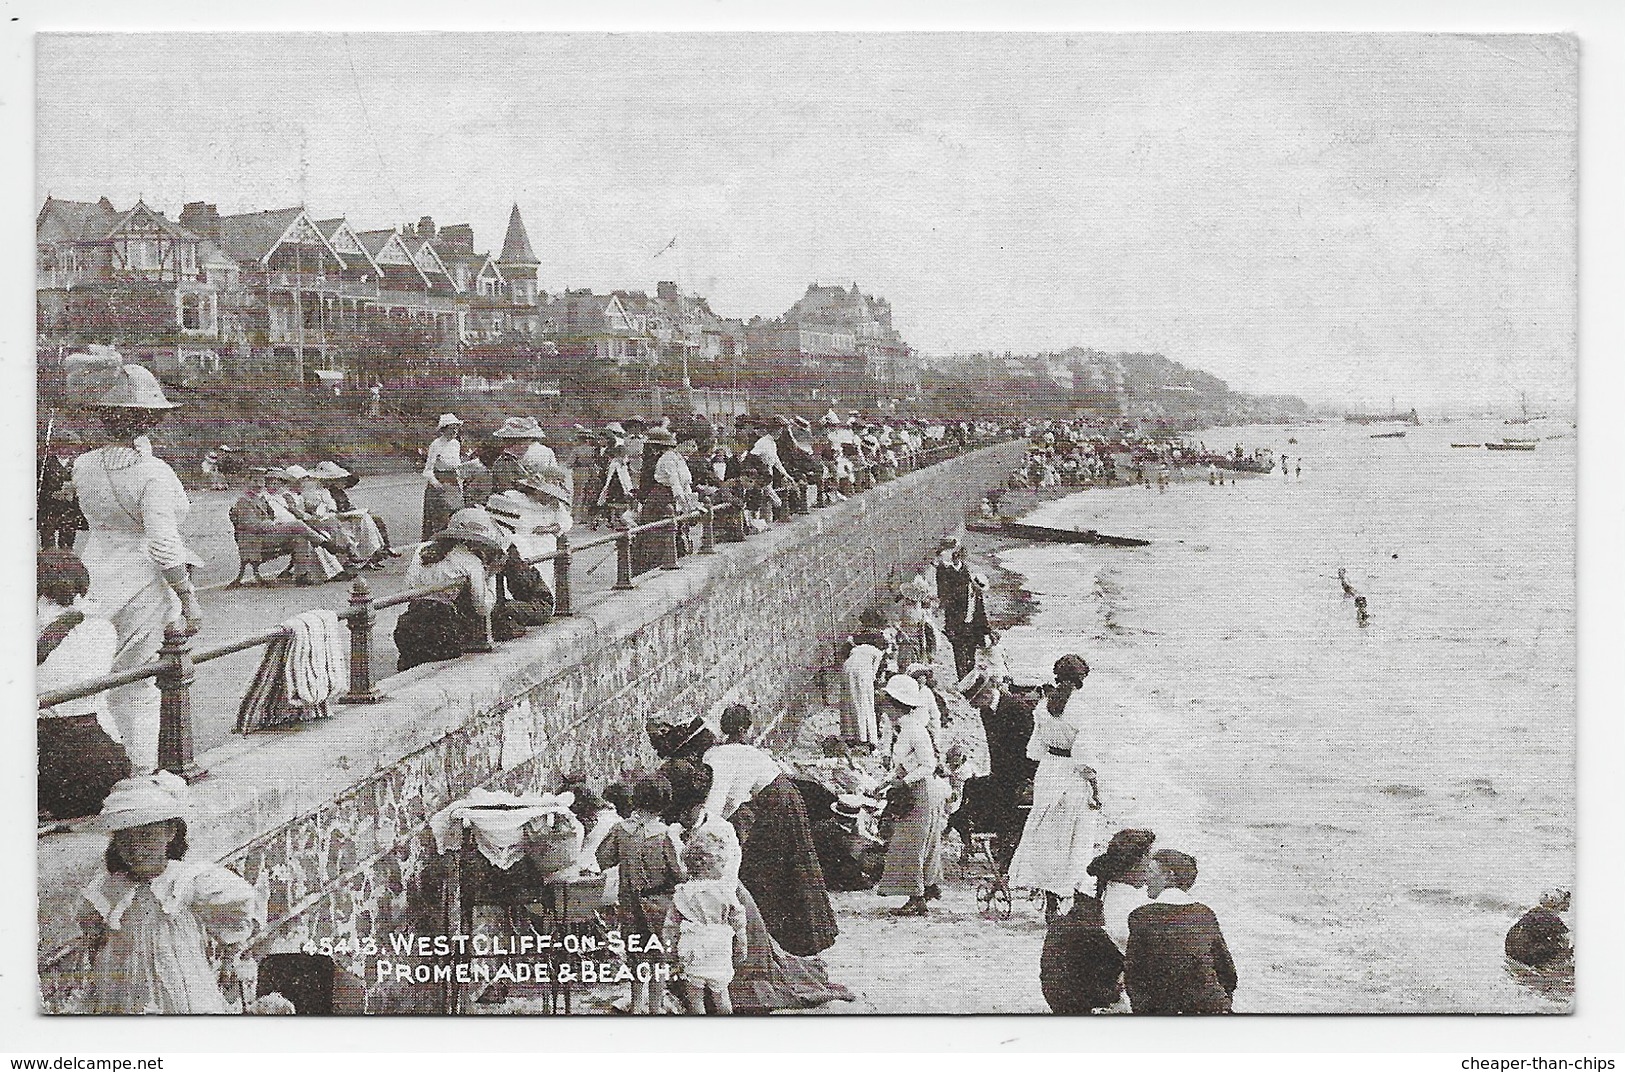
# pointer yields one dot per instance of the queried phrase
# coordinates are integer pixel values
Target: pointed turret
(516, 246)
(519, 266)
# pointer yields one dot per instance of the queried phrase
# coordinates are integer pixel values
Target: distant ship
(1526, 418)
(1384, 418)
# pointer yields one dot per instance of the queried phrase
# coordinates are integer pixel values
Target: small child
(705, 928)
(645, 851)
(211, 471)
(147, 921)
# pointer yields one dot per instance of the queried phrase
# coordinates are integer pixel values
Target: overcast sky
(1340, 217)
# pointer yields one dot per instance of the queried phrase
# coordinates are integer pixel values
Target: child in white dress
(705, 929)
(147, 921)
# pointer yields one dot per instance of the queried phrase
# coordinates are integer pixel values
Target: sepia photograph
(826, 524)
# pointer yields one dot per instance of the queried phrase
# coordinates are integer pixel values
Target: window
(141, 255)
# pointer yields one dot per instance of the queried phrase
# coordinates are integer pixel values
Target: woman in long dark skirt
(779, 864)
(769, 977)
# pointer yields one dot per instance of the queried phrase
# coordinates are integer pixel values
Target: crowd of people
(1123, 931)
(1080, 454)
(715, 848)
(113, 558)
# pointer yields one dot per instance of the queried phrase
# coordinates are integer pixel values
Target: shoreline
(1010, 602)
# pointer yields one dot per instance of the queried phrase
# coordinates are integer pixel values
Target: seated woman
(364, 532)
(288, 486)
(80, 757)
(443, 625)
(536, 512)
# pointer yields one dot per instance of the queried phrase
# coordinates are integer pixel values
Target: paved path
(229, 614)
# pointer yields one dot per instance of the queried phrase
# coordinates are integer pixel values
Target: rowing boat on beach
(1466, 444)
(1045, 534)
(1387, 435)
(1509, 446)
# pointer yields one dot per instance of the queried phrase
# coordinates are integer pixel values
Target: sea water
(1371, 807)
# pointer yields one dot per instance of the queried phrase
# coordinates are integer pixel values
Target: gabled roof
(390, 254)
(140, 213)
(427, 260)
(516, 245)
(211, 255)
(74, 221)
(251, 237)
(344, 240)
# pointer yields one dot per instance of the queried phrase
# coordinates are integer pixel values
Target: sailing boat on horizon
(1525, 418)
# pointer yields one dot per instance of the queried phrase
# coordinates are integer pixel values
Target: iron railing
(173, 670)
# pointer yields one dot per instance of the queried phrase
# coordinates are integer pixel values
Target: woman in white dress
(1059, 839)
(442, 476)
(917, 796)
(140, 568)
(859, 724)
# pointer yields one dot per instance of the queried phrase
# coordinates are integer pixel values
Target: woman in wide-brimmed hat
(1059, 840)
(667, 490)
(1081, 968)
(534, 514)
(779, 865)
(769, 977)
(442, 475)
(140, 567)
(443, 625)
(366, 530)
(522, 452)
(916, 797)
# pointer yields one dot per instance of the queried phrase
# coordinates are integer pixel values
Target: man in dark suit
(1176, 959)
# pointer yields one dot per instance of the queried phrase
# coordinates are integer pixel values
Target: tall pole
(299, 311)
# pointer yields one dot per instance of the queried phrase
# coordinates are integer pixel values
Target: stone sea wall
(330, 821)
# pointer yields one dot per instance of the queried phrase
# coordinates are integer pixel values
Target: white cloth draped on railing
(299, 674)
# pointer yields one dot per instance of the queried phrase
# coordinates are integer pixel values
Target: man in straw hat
(140, 567)
(443, 482)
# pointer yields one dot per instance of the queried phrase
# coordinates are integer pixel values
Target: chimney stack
(202, 219)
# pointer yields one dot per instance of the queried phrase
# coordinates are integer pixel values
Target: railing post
(676, 542)
(361, 620)
(175, 705)
(485, 640)
(708, 530)
(487, 643)
(561, 578)
(623, 561)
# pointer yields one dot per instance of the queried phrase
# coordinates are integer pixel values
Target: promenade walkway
(232, 613)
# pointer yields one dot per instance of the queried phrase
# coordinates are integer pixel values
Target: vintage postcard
(845, 524)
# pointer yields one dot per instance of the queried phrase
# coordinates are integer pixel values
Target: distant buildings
(281, 289)
(843, 332)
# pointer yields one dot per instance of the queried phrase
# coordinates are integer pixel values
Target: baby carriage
(989, 827)
(994, 808)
